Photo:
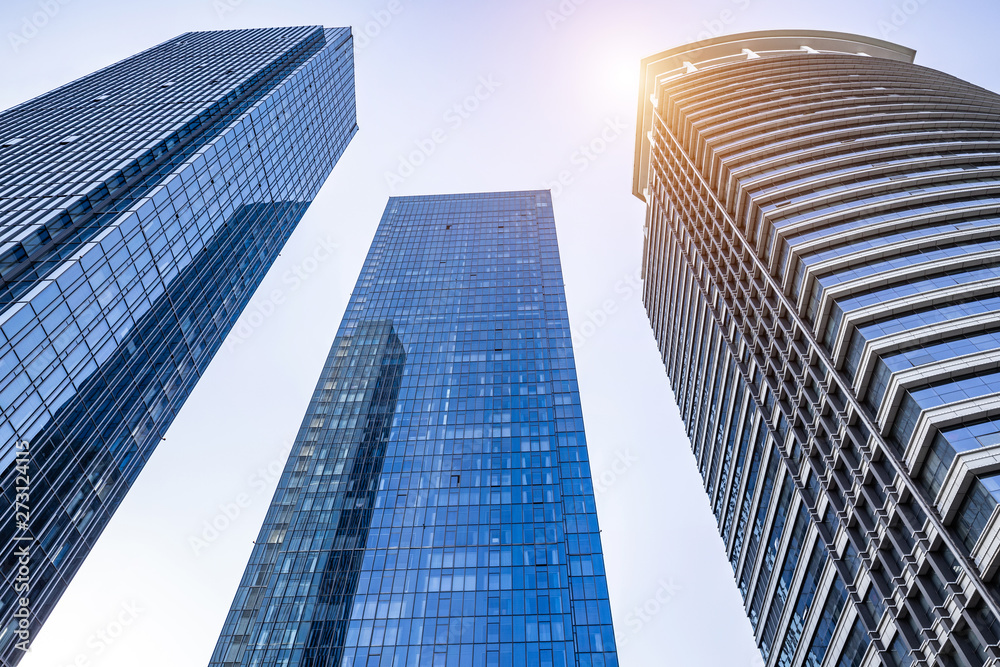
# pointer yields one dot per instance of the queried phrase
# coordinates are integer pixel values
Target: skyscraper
(436, 507)
(821, 275)
(140, 206)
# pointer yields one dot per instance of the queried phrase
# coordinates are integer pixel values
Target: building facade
(821, 274)
(437, 507)
(140, 207)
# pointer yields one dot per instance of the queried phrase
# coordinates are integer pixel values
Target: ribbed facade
(436, 509)
(822, 275)
(140, 207)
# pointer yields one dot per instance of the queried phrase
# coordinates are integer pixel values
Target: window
(827, 623)
(975, 510)
(856, 645)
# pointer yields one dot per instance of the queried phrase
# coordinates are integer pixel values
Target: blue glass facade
(821, 274)
(140, 207)
(436, 508)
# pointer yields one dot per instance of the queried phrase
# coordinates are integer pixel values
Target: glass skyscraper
(822, 275)
(140, 206)
(436, 509)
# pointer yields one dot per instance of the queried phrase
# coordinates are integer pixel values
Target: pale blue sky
(552, 77)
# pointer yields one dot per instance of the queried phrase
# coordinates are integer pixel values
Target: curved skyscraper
(140, 207)
(822, 275)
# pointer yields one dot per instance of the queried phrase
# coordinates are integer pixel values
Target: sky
(526, 95)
